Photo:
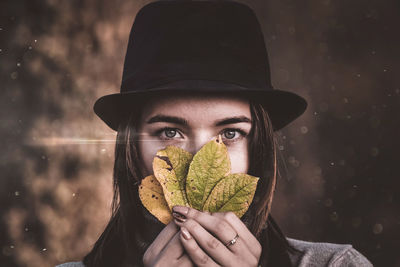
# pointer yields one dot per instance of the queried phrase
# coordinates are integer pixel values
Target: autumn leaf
(233, 193)
(152, 196)
(202, 181)
(170, 168)
(209, 165)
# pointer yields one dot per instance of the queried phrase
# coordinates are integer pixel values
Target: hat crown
(199, 40)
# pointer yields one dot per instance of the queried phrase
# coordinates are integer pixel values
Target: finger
(160, 242)
(185, 261)
(196, 254)
(244, 233)
(214, 247)
(219, 227)
(173, 250)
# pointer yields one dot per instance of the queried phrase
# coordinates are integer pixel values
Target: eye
(233, 134)
(168, 133)
(230, 134)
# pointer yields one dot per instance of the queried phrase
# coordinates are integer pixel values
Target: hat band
(200, 84)
(224, 72)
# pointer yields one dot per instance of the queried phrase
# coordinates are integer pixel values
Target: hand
(166, 249)
(204, 237)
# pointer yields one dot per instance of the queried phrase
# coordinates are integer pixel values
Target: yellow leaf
(170, 167)
(152, 196)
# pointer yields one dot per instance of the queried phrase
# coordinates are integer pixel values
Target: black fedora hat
(197, 46)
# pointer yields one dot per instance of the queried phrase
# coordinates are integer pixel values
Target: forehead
(197, 106)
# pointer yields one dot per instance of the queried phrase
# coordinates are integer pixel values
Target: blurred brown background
(341, 177)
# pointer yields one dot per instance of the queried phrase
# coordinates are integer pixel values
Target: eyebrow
(182, 121)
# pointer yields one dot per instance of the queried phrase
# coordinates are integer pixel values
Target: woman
(194, 70)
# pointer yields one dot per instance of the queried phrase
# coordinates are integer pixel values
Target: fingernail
(179, 217)
(181, 209)
(185, 233)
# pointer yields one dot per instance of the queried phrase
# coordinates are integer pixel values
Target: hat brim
(282, 106)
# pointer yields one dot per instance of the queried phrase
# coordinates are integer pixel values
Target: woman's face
(189, 122)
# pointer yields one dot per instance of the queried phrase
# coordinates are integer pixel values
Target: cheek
(239, 159)
(147, 151)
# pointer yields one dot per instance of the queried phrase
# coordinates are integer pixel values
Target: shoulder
(327, 254)
(72, 264)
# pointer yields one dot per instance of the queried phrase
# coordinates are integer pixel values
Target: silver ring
(233, 241)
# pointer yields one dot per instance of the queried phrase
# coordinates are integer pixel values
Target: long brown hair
(123, 241)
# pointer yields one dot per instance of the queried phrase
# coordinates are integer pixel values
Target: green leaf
(233, 193)
(170, 167)
(209, 165)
